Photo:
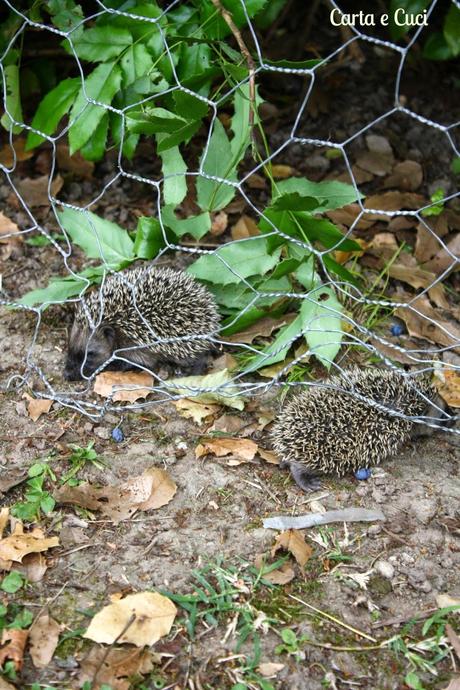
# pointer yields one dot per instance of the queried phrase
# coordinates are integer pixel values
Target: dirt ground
(365, 581)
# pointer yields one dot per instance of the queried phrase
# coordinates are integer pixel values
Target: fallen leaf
(5, 686)
(218, 386)
(245, 227)
(343, 257)
(43, 639)
(140, 619)
(279, 576)
(269, 456)
(447, 382)
(33, 567)
(360, 176)
(219, 224)
(262, 328)
(281, 172)
(114, 668)
(150, 490)
(427, 322)
(445, 259)
(37, 406)
(443, 601)
(10, 240)
(35, 191)
(198, 411)
(293, 541)
(126, 386)
(242, 448)
(10, 478)
(407, 176)
(13, 644)
(228, 424)
(75, 164)
(270, 669)
(454, 683)
(429, 233)
(347, 216)
(18, 544)
(256, 181)
(9, 154)
(417, 277)
(453, 639)
(393, 201)
(4, 514)
(379, 164)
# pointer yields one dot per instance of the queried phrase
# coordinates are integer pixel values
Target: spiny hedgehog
(327, 430)
(132, 313)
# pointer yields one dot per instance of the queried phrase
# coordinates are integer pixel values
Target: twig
(227, 17)
(333, 619)
(421, 615)
(130, 621)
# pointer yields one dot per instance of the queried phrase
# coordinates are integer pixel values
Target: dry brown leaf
(393, 201)
(292, 540)
(13, 643)
(245, 227)
(281, 172)
(431, 324)
(10, 478)
(262, 328)
(444, 260)
(343, 257)
(10, 241)
(35, 191)
(75, 164)
(43, 638)
(407, 176)
(419, 278)
(427, 244)
(454, 683)
(18, 544)
(126, 386)
(144, 617)
(453, 639)
(190, 409)
(447, 382)
(347, 215)
(115, 668)
(219, 223)
(242, 448)
(152, 489)
(5, 686)
(37, 406)
(33, 567)
(379, 164)
(256, 181)
(269, 456)
(8, 154)
(4, 514)
(360, 175)
(269, 669)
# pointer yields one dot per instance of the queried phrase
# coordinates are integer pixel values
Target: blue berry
(363, 473)
(397, 329)
(117, 435)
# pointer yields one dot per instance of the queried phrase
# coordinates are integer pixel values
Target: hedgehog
(145, 317)
(327, 430)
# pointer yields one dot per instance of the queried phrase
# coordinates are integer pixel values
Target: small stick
(332, 618)
(130, 621)
(227, 17)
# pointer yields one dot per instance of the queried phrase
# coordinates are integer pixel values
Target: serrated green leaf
(52, 109)
(173, 165)
(218, 162)
(13, 107)
(99, 238)
(197, 226)
(135, 63)
(189, 106)
(94, 148)
(102, 43)
(242, 259)
(149, 238)
(181, 134)
(154, 120)
(61, 289)
(320, 314)
(101, 85)
(194, 60)
(240, 123)
(330, 193)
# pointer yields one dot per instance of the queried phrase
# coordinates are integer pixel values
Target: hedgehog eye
(108, 332)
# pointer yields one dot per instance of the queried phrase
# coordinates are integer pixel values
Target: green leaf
(456, 166)
(306, 274)
(330, 193)
(296, 202)
(452, 30)
(278, 349)
(410, 7)
(102, 43)
(321, 322)
(154, 120)
(135, 63)
(240, 123)
(413, 681)
(244, 259)
(181, 134)
(218, 162)
(149, 238)
(339, 270)
(101, 85)
(174, 187)
(226, 394)
(47, 504)
(58, 290)
(94, 148)
(294, 64)
(12, 582)
(188, 106)
(13, 108)
(436, 47)
(52, 109)
(194, 60)
(197, 226)
(216, 27)
(99, 238)
(37, 469)
(22, 620)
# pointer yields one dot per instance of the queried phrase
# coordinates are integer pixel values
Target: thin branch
(227, 17)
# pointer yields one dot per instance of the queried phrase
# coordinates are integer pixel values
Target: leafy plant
(79, 458)
(37, 499)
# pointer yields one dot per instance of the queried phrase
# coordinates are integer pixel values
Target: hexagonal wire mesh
(351, 334)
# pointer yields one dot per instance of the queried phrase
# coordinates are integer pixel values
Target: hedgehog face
(88, 350)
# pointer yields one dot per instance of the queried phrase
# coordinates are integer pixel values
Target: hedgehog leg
(302, 477)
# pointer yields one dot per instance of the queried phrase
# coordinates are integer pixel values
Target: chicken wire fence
(352, 334)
